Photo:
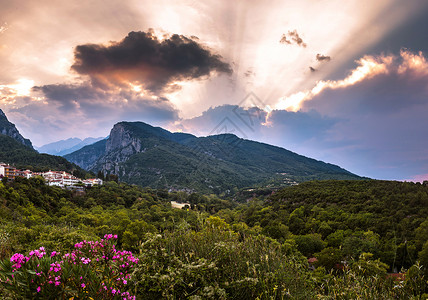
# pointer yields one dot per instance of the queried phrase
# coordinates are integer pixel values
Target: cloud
(130, 80)
(406, 65)
(381, 108)
(323, 58)
(284, 40)
(3, 27)
(284, 128)
(142, 58)
(82, 110)
(96, 102)
(249, 73)
(292, 37)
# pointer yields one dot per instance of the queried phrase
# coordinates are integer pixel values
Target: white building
(92, 182)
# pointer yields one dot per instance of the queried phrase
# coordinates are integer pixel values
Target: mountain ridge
(151, 156)
(9, 129)
(18, 151)
(64, 147)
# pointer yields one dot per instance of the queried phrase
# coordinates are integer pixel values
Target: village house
(53, 178)
(7, 171)
(93, 181)
(24, 173)
(61, 179)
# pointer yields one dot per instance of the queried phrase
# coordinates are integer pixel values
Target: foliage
(221, 248)
(352, 285)
(217, 263)
(385, 218)
(93, 270)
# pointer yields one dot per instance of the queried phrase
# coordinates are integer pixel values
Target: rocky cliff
(151, 156)
(9, 129)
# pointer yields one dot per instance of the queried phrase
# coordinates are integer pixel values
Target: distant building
(24, 173)
(93, 181)
(52, 178)
(7, 171)
(60, 179)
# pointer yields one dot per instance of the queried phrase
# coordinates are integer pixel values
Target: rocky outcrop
(9, 129)
(119, 147)
(151, 156)
(121, 139)
(106, 155)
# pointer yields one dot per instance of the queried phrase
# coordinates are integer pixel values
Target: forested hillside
(347, 218)
(256, 247)
(139, 153)
(23, 157)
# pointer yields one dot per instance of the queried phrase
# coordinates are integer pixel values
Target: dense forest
(255, 245)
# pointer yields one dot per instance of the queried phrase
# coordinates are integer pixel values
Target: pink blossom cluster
(39, 253)
(87, 254)
(19, 259)
(110, 236)
(117, 292)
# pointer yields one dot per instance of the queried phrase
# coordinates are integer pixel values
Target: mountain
(23, 157)
(64, 147)
(151, 156)
(18, 151)
(9, 129)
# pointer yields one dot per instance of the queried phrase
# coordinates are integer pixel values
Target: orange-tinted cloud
(142, 58)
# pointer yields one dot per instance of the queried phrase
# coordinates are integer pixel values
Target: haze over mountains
(16, 150)
(67, 146)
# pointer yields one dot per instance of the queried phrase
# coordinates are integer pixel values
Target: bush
(92, 270)
(217, 263)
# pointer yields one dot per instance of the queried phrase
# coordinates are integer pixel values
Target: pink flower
(83, 285)
(85, 260)
(38, 289)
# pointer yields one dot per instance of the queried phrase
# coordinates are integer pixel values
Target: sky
(345, 82)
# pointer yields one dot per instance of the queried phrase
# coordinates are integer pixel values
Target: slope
(151, 156)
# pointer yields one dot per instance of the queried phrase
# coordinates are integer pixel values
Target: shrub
(217, 263)
(92, 270)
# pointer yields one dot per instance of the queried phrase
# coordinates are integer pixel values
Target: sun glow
(22, 87)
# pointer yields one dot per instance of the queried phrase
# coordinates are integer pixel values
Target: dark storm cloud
(292, 37)
(323, 58)
(141, 58)
(124, 104)
(66, 93)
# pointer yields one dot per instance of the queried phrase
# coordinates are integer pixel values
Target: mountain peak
(151, 156)
(64, 147)
(9, 129)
